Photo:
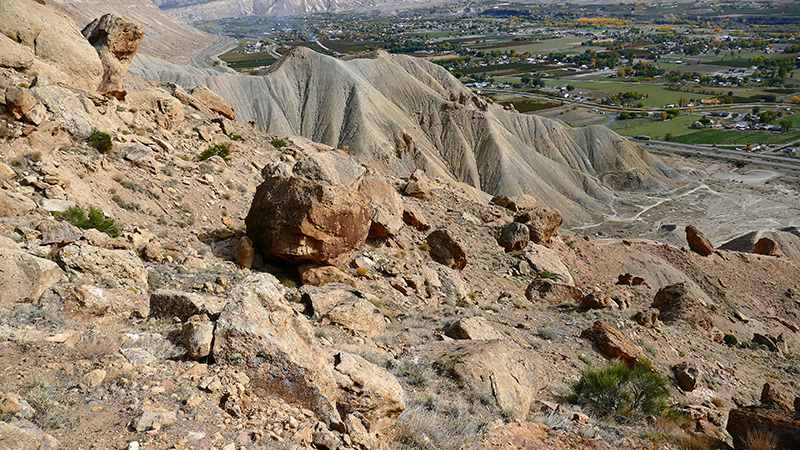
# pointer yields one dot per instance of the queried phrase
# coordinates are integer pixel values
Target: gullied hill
(407, 113)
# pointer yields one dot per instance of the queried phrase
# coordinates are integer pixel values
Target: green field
(244, 62)
(737, 137)
(545, 46)
(658, 94)
(654, 128)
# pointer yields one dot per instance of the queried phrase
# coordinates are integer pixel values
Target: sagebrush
(95, 219)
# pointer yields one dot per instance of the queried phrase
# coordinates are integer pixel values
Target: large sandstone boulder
(25, 277)
(501, 369)
(472, 328)
(368, 391)
(358, 315)
(386, 205)
(447, 249)
(259, 331)
(676, 303)
(547, 263)
(553, 292)
(19, 101)
(612, 343)
(298, 220)
(13, 55)
(116, 40)
(542, 222)
(698, 241)
(518, 203)
(95, 265)
(752, 422)
(213, 102)
(53, 37)
(87, 301)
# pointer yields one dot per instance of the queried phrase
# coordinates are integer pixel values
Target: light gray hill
(406, 112)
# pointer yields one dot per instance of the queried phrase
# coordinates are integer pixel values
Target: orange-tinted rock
(447, 250)
(698, 241)
(298, 221)
(542, 222)
(612, 343)
(676, 303)
(766, 246)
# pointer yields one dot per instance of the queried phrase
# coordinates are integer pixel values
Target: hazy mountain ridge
(407, 113)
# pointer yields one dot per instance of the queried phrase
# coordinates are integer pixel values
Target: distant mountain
(404, 112)
(193, 10)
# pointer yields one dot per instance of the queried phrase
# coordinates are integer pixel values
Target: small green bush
(616, 389)
(220, 150)
(278, 143)
(547, 274)
(237, 137)
(77, 216)
(100, 140)
(730, 340)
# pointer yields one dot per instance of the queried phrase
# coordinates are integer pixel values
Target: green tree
(786, 125)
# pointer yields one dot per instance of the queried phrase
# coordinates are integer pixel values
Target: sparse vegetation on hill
(95, 219)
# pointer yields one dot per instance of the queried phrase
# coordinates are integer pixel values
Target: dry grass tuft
(756, 439)
(427, 425)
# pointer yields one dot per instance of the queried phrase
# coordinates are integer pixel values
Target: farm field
(658, 94)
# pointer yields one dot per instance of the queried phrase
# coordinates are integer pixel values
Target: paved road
(753, 158)
(205, 59)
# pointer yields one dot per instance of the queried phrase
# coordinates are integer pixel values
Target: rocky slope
(215, 321)
(409, 113)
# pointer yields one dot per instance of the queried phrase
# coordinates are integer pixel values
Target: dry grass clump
(95, 344)
(756, 439)
(431, 424)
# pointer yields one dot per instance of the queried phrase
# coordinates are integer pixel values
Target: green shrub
(278, 143)
(616, 389)
(237, 137)
(220, 150)
(77, 216)
(547, 274)
(100, 140)
(730, 340)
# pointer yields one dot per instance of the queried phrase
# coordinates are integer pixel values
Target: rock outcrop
(116, 40)
(612, 343)
(675, 303)
(25, 277)
(698, 241)
(755, 424)
(298, 220)
(446, 249)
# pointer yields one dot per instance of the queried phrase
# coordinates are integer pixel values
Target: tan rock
(320, 300)
(94, 265)
(552, 292)
(518, 203)
(414, 216)
(25, 436)
(773, 398)
(676, 303)
(25, 277)
(358, 315)
(6, 172)
(61, 233)
(369, 391)
(10, 404)
(93, 379)
(261, 333)
(333, 167)
(542, 222)
(688, 375)
(498, 368)
(597, 300)
(612, 343)
(213, 101)
(647, 319)
(198, 335)
(244, 253)
(116, 40)
(19, 101)
(301, 221)
(472, 328)
(419, 186)
(446, 249)
(152, 252)
(698, 241)
(54, 39)
(14, 55)
(386, 206)
(547, 263)
(316, 275)
(86, 301)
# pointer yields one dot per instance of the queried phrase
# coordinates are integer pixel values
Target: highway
(205, 59)
(781, 162)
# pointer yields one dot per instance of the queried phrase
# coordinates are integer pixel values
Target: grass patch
(100, 140)
(737, 137)
(220, 150)
(95, 219)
